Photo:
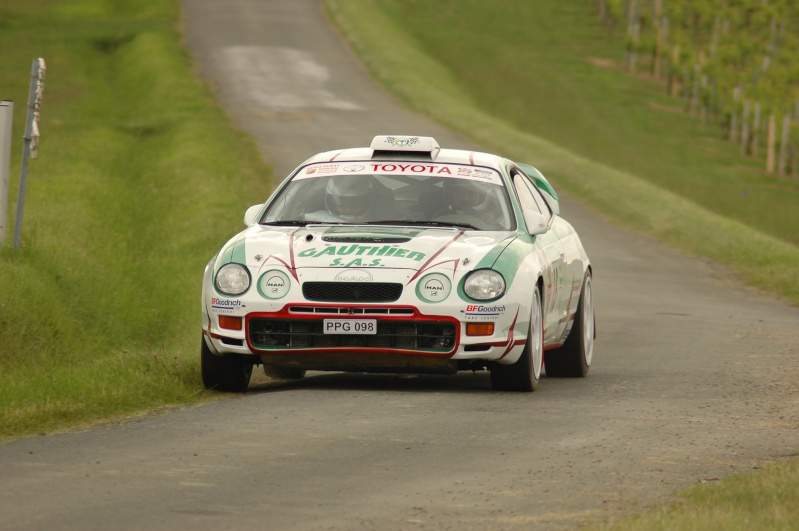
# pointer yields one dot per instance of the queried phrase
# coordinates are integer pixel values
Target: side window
(526, 197)
(529, 196)
(542, 204)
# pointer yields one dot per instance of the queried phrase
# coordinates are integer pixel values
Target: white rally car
(401, 257)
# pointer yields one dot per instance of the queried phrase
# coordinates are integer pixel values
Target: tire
(224, 373)
(525, 373)
(573, 359)
(284, 373)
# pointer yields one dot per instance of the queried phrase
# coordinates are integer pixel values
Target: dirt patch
(602, 62)
(667, 108)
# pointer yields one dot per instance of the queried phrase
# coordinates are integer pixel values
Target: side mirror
(251, 214)
(535, 221)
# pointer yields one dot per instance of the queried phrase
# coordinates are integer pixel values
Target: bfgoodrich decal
(225, 306)
(478, 310)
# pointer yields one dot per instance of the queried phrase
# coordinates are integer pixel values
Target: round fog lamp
(274, 284)
(434, 287)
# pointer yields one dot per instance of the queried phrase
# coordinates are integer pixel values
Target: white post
(6, 119)
(31, 139)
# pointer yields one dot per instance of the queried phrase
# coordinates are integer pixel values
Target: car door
(555, 274)
(574, 262)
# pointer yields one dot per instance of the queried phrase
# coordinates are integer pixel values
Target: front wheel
(573, 359)
(224, 373)
(525, 373)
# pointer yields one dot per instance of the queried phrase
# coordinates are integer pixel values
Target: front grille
(280, 334)
(352, 291)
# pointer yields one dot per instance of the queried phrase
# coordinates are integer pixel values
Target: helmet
(349, 196)
(464, 193)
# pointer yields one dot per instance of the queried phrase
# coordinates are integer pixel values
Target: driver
(350, 197)
(469, 197)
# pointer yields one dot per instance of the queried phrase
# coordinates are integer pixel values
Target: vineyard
(732, 62)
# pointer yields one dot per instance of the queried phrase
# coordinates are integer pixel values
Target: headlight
(484, 285)
(232, 279)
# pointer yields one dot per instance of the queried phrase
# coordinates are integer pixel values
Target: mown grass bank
(586, 127)
(139, 179)
(406, 46)
(764, 500)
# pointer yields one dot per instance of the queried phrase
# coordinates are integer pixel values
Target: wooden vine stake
(745, 128)
(633, 32)
(771, 142)
(756, 131)
(658, 39)
(674, 80)
(783, 156)
(736, 95)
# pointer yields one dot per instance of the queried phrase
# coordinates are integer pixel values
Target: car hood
(348, 246)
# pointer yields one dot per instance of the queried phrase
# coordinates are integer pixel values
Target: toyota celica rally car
(401, 258)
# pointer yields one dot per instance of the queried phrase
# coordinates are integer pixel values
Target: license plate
(350, 326)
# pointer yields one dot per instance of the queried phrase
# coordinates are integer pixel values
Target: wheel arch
(590, 271)
(540, 284)
(542, 298)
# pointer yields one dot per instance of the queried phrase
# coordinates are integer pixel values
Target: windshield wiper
(286, 223)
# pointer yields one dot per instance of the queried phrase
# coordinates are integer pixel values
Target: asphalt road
(694, 377)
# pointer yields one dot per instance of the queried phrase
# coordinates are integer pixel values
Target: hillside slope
(541, 84)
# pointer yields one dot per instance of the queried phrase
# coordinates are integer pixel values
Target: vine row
(733, 62)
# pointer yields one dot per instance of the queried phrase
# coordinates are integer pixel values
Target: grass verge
(766, 499)
(139, 179)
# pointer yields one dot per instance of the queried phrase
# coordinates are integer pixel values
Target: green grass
(763, 500)
(139, 179)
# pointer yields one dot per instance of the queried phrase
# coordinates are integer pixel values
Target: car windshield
(395, 193)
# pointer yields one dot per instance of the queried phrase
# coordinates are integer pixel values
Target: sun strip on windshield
(328, 169)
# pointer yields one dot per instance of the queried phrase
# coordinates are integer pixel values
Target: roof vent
(416, 146)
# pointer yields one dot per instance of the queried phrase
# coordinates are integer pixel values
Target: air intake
(352, 291)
